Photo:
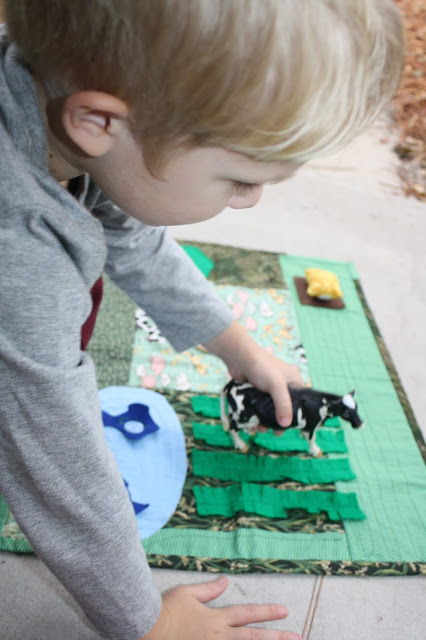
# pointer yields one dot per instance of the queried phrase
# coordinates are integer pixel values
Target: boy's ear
(93, 120)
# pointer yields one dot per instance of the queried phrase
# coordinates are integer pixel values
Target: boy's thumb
(206, 591)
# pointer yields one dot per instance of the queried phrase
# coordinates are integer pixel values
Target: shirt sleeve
(159, 276)
(56, 471)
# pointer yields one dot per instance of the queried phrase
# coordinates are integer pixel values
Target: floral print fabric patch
(268, 316)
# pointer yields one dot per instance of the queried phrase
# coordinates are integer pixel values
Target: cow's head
(346, 408)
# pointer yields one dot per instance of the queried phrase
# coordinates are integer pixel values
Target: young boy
(157, 112)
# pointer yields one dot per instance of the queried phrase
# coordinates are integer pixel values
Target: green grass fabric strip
(248, 544)
(328, 441)
(391, 477)
(333, 422)
(272, 503)
(291, 440)
(206, 406)
(214, 435)
(242, 467)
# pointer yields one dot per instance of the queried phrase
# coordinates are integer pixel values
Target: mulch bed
(410, 101)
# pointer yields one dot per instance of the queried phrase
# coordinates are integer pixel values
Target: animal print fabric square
(267, 314)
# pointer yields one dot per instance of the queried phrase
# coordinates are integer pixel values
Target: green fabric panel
(222, 501)
(4, 509)
(291, 440)
(333, 422)
(391, 478)
(242, 467)
(199, 257)
(267, 314)
(15, 546)
(248, 544)
(214, 435)
(272, 503)
(9, 541)
(206, 406)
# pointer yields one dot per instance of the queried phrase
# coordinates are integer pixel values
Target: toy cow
(248, 407)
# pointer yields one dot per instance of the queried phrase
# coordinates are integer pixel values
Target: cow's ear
(352, 393)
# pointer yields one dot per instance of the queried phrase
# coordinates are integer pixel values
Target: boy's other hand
(247, 361)
(184, 616)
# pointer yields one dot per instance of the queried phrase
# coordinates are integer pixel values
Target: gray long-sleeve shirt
(56, 471)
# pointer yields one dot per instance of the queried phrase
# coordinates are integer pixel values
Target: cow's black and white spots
(248, 408)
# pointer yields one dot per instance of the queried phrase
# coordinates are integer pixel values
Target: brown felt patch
(301, 286)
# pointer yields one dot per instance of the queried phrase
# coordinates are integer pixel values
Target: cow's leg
(310, 436)
(314, 419)
(251, 425)
(235, 435)
(314, 449)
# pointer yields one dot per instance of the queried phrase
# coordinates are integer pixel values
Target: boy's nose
(240, 201)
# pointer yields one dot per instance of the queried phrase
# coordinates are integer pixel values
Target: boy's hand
(246, 360)
(185, 617)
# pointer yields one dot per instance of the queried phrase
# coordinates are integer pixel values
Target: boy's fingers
(241, 615)
(281, 396)
(282, 403)
(206, 591)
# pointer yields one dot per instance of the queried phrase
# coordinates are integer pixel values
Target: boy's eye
(244, 188)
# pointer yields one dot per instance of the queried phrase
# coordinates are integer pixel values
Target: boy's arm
(56, 471)
(154, 270)
(57, 474)
(147, 264)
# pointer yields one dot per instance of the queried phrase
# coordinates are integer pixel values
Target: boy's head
(277, 80)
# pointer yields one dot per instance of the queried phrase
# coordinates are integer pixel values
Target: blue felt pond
(146, 438)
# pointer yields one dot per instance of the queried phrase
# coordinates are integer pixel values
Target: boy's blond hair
(280, 80)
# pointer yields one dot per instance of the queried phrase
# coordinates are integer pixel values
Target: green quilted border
(249, 544)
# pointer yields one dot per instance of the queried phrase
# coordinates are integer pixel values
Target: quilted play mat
(201, 504)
